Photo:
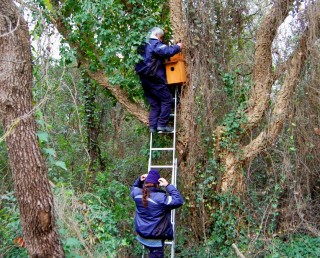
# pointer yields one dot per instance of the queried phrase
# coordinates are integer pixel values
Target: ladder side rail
(173, 212)
(174, 173)
(174, 170)
(150, 153)
(174, 125)
(149, 168)
(173, 243)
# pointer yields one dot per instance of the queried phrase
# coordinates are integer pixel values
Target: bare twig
(238, 251)
(13, 61)
(10, 25)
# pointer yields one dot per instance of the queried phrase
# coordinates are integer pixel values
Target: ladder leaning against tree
(171, 165)
(176, 76)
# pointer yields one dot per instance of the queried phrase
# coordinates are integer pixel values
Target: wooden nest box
(176, 69)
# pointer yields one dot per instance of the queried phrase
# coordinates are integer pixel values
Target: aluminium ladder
(172, 166)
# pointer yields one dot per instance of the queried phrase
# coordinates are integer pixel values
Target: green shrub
(10, 227)
(100, 223)
(298, 246)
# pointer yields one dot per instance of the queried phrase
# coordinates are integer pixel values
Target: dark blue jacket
(155, 49)
(158, 211)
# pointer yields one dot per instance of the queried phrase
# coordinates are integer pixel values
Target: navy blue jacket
(147, 219)
(155, 49)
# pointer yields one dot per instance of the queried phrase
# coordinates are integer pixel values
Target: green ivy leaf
(43, 136)
(40, 122)
(50, 151)
(71, 241)
(61, 164)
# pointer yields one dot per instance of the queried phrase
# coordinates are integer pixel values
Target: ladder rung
(162, 166)
(162, 149)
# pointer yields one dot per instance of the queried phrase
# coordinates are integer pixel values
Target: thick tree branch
(281, 107)
(263, 80)
(120, 94)
(263, 76)
(133, 108)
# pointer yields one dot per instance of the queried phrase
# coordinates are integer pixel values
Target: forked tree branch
(262, 73)
(263, 76)
(281, 106)
(263, 81)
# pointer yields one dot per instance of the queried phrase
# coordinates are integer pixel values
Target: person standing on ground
(152, 74)
(153, 211)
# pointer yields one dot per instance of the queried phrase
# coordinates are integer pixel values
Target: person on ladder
(152, 74)
(153, 211)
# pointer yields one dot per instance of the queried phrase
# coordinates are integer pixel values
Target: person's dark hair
(146, 193)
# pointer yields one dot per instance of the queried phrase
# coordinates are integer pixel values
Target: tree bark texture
(263, 79)
(262, 73)
(31, 182)
(188, 142)
(177, 19)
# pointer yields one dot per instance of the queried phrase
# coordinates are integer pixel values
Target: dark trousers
(156, 252)
(160, 100)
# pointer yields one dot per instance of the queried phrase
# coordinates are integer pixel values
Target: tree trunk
(93, 128)
(177, 20)
(31, 184)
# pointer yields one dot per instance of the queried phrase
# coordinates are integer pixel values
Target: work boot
(165, 129)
